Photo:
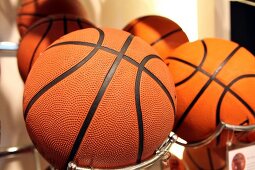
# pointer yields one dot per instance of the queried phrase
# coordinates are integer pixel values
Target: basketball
(100, 98)
(31, 11)
(215, 82)
(205, 158)
(163, 34)
(40, 35)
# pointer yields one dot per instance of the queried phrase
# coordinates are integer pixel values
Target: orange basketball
(31, 11)
(205, 158)
(163, 34)
(215, 82)
(40, 35)
(100, 98)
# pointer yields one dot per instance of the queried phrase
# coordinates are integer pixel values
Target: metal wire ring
(160, 152)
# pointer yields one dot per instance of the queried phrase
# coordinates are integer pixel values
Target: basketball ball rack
(232, 129)
(163, 153)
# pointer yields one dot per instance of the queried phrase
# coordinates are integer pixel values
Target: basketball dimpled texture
(41, 34)
(163, 34)
(85, 101)
(215, 82)
(31, 11)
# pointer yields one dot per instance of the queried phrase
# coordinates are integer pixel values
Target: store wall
(206, 18)
(8, 30)
(213, 19)
(222, 19)
(184, 12)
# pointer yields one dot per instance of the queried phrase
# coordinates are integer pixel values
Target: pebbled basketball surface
(101, 98)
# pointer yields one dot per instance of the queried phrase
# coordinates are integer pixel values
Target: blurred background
(198, 19)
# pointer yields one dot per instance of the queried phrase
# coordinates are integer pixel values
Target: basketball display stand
(232, 141)
(162, 153)
(232, 129)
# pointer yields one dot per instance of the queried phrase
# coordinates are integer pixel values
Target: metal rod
(37, 160)
(8, 49)
(4, 152)
(222, 126)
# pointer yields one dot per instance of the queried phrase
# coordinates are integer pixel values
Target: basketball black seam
(247, 120)
(239, 135)
(130, 60)
(212, 77)
(79, 23)
(210, 158)
(138, 105)
(65, 24)
(39, 43)
(127, 58)
(98, 98)
(149, 73)
(65, 74)
(137, 21)
(188, 77)
(46, 20)
(216, 80)
(197, 68)
(197, 165)
(165, 36)
(32, 14)
(218, 139)
(193, 161)
(226, 89)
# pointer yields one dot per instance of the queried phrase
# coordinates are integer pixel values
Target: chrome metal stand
(222, 126)
(161, 153)
(10, 151)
